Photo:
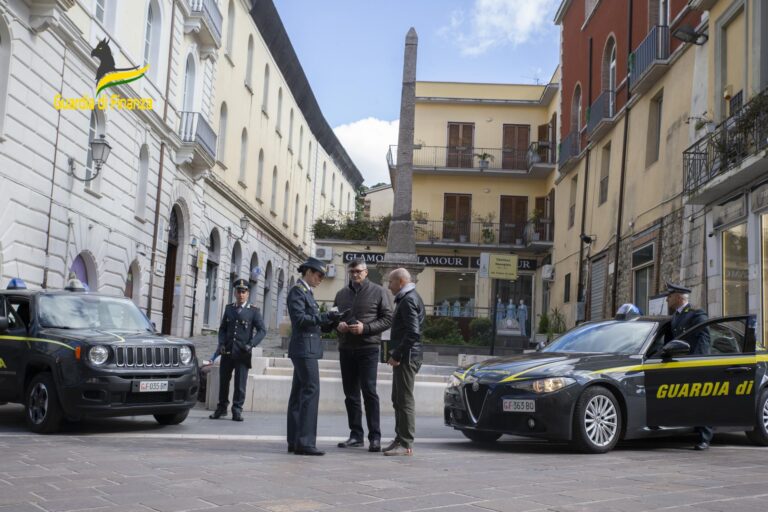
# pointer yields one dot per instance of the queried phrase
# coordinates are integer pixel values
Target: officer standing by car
(685, 316)
(241, 329)
(304, 349)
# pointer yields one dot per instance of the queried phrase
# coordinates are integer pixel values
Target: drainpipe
(46, 268)
(620, 216)
(580, 293)
(153, 257)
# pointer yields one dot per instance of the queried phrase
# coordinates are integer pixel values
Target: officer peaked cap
(241, 284)
(675, 288)
(314, 264)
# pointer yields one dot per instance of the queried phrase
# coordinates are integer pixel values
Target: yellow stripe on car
(719, 361)
(35, 340)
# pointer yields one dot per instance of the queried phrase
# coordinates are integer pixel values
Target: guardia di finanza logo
(107, 75)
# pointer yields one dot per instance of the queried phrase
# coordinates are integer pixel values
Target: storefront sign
(503, 266)
(427, 259)
(730, 211)
(522, 263)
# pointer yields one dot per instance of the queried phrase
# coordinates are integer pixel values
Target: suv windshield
(613, 337)
(91, 312)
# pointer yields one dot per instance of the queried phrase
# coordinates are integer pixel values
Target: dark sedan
(606, 381)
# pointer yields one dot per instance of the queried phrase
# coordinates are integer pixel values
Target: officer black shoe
(351, 443)
(701, 446)
(308, 451)
(236, 416)
(218, 413)
(291, 448)
(375, 446)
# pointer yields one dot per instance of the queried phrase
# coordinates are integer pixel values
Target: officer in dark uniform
(684, 317)
(305, 349)
(241, 329)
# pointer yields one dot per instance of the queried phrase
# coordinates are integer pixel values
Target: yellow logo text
(2, 363)
(703, 389)
(104, 102)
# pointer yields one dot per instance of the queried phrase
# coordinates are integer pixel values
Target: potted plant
(419, 216)
(533, 222)
(488, 233)
(484, 159)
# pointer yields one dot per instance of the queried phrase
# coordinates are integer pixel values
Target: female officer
(305, 349)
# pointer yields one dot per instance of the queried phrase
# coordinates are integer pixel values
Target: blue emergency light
(17, 283)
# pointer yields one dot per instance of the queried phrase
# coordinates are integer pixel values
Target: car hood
(104, 337)
(543, 364)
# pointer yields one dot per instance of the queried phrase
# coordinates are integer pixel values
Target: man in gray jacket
(368, 314)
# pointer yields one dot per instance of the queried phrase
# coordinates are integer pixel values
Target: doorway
(169, 285)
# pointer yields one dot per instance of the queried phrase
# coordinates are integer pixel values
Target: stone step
(333, 364)
(382, 375)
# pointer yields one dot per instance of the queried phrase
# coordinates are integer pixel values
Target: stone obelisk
(401, 243)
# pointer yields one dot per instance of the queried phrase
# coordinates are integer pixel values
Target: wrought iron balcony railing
(541, 152)
(603, 109)
(538, 230)
(193, 128)
(211, 14)
(742, 135)
(464, 157)
(467, 232)
(653, 49)
(570, 147)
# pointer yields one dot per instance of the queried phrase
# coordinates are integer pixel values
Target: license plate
(149, 386)
(519, 405)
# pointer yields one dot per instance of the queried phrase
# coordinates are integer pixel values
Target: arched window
(273, 199)
(95, 129)
(341, 197)
(222, 132)
(309, 157)
(576, 110)
(249, 65)
(322, 188)
(152, 38)
(333, 188)
(349, 202)
(141, 188)
(609, 73)
(230, 27)
(290, 131)
(260, 175)
(301, 144)
(306, 218)
(189, 85)
(100, 10)
(133, 283)
(5, 69)
(265, 93)
(296, 215)
(285, 202)
(243, 155)
(279, 108)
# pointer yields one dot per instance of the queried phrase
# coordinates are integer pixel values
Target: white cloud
(367, 142)
(492, 23)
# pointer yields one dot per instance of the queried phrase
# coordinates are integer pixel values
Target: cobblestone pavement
(133, 465)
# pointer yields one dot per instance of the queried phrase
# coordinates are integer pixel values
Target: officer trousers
(358, 373)
(241, 379)
(303, 403)
(403, 378)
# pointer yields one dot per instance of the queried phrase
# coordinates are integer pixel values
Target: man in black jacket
(405, 358)
(241, 329)
(369, 314)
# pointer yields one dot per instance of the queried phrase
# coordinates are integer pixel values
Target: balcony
(204, 20)
(538, 234)
(600, 117)
(541, 156)
(650, 60)
(729, 158)
(462, 159)
(570, 148)
(198, 142)
(460, 233)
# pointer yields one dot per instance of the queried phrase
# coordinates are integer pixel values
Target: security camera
(587, 239)
(711, 234)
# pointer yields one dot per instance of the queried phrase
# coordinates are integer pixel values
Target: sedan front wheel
(596, 421)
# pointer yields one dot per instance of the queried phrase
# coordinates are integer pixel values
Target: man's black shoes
(375, 446)
(701, 446)
(236, 416)
(291, 448)
(218, 413)
(308, 451)
(351, 443)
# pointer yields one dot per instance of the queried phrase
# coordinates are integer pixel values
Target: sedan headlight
(544, 385)
(98, 355)
(186, 354)
(454, 381)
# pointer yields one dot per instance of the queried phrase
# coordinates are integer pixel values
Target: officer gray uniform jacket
(687, 318)
(306, 323)
(240, 332)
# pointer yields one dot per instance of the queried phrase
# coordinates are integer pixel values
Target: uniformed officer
(685, 316)
(305, 349)
(241, 329)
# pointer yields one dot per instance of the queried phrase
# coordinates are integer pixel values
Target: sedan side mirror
(675, 348)
(3, 324)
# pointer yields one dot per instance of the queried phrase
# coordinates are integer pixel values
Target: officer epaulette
(252, 306)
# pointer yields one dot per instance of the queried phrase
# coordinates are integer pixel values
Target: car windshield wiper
(59, 327)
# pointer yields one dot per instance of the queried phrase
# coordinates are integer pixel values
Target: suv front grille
(163, 356)
(475, 400)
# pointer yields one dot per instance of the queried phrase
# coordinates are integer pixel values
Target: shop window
(454, 294)
(642, 275)
(735, 270)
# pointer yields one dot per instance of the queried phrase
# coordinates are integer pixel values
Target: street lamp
(244, 223)
(688, 34)
(99, 150)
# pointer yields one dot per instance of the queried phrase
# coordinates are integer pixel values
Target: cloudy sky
(352, 53)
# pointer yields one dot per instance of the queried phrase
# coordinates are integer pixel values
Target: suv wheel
(759, 435)
(43, 410)
(171, 419)
(596, 421)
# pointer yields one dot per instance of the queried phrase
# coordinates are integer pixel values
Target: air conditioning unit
(548, 272)
(331, 270)
(324, 252)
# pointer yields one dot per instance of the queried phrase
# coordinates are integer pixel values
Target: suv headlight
(185, 353)
(544, 385)
(98, 354)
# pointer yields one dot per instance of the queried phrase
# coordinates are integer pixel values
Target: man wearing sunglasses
(241, 329)
(370, 313)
